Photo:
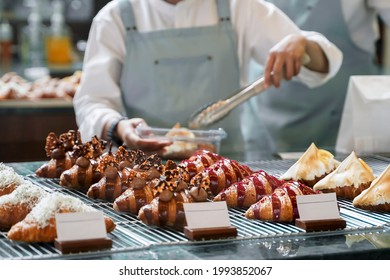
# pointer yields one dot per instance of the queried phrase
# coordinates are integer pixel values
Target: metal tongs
(211, 113)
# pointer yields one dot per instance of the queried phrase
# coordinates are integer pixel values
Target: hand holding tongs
(211, 113)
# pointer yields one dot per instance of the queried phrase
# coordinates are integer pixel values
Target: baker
(154, 62)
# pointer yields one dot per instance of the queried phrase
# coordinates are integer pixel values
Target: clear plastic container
(185, 141)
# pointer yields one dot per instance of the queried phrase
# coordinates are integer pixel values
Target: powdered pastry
(349, 179)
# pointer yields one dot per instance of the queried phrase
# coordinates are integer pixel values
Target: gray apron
(167, 74)
(292, 117)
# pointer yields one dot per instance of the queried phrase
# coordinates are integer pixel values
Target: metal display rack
(131, 234)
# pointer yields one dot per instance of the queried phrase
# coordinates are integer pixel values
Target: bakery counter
(25, 124)
(366, 236)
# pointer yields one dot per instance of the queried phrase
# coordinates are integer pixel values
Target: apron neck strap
(223, 10)
(127, 15)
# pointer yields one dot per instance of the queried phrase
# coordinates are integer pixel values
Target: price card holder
(208, 220)
(319, 212)
(81, 232)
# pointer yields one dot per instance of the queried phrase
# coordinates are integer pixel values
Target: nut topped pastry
(377, 196)
(312, 166)
(349, 179)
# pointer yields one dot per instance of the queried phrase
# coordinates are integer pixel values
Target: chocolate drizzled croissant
(60, 150)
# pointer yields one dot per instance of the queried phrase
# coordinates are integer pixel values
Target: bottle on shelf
(5, 43)
(32, 47)
(58, 40)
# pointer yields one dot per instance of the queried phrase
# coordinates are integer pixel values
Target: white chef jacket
(358, 13)
(98, 98)
(360, 16)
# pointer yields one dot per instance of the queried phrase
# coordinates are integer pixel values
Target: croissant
(84, 172)
(59, 149)
(40, 226)
(174, 178)
(109, 187)
(140, 174)
(250, 190)
(166, 213)
(281, 205)
(15, 206)
(221, 175)
(132, 199)
(9, 179)
(199, 161)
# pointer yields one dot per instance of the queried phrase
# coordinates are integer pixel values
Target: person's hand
(285, 60)
(126, 132)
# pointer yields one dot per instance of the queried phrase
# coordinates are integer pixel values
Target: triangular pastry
(15, 206)
(311, 167)
(377, 196)
(40, 226)
(9, 179)
(349, 179)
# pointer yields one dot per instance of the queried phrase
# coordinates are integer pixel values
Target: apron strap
(223, 10)
(127, 15)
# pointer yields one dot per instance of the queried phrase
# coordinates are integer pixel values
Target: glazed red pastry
(84, 172)
(220, 175)
(250, 190)
(60, 150)
(281, 205)
(200, 160)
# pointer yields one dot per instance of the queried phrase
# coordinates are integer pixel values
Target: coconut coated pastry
(377, 196)
(40, 226)
(349, 179)
(9, 179)
(15, 206)
(312, 166)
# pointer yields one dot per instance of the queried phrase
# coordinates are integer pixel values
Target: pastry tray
(132, 235)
